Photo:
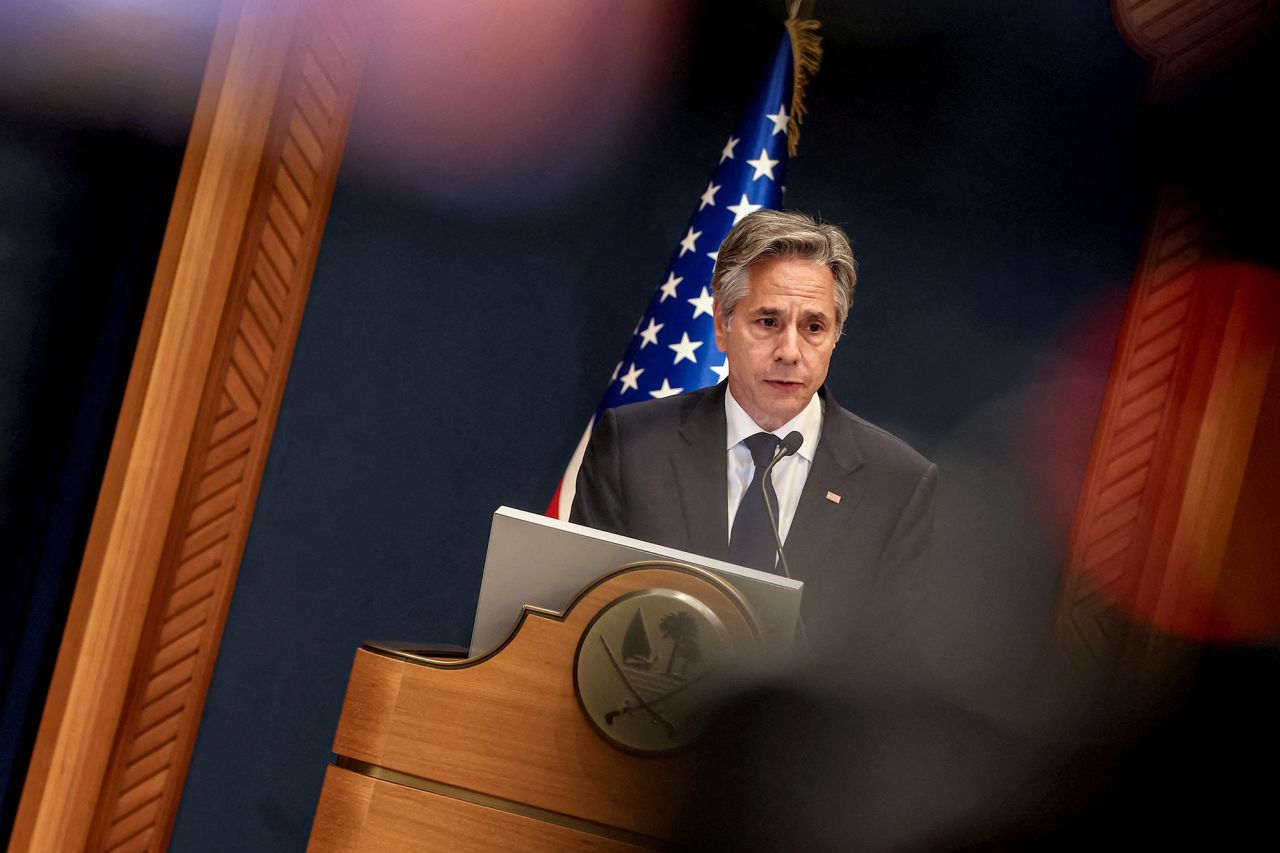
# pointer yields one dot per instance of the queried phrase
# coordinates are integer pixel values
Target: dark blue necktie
(751, 540)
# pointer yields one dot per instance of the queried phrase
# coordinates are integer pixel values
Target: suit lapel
(819, 520)
(701, 473)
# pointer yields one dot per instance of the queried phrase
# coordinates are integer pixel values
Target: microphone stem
(777, 536)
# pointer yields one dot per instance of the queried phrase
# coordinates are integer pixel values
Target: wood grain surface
(511, 727)
(191, 441)
(358, 813)
(1187, 385)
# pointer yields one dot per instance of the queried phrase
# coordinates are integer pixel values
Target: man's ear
(722, 327)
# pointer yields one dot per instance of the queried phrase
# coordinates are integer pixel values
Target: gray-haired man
(855, 504)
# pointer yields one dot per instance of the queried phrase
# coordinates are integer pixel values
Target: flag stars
(721, 371)
(726, 153)
(690, 241)
(616, 371)
(709, 197)
(763, 166)
(650, 334)
(665, 391)
(781, 121)
(669, 286)
(703, 303)
(685, 349)
(631, 379)
(741, 209)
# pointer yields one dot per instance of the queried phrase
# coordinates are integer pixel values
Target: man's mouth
(782, 384)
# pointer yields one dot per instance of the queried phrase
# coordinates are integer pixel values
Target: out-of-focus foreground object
(1172, 545)
(177, 498)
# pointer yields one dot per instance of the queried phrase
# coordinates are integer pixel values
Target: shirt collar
(808, 423)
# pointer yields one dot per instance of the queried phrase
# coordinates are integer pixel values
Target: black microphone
(787, 447)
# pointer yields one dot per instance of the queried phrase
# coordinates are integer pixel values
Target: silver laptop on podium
(545, 562)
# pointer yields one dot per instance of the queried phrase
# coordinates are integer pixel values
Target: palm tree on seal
(682, 630)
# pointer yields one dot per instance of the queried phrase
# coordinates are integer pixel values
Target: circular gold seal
(648, 668)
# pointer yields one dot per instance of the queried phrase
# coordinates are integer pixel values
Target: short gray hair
(789, 235)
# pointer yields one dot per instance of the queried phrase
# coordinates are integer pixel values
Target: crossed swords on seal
(641, 703)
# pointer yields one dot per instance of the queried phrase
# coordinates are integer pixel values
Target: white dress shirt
(788, 475)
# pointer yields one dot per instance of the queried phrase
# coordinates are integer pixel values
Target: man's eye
(815, 328)
(768, 322)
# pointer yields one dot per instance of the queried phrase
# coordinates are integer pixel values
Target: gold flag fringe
(806, 56)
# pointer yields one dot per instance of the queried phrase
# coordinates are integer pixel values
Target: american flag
(673, 348)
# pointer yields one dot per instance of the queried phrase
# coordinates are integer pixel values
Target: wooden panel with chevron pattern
(186, 462)
(1134, 432)
(224, 468)
(1160, 393)
(1189, 39)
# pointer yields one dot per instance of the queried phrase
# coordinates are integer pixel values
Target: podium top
(545, 562)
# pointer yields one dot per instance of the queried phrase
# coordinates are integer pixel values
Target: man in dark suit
(855, 504)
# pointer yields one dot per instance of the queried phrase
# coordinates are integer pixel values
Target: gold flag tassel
(806, 56)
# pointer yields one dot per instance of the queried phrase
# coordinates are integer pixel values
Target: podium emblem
(649, 667)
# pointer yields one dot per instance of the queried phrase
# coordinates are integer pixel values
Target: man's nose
(788, 345)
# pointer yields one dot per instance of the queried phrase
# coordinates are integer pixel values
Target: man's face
(780, 338)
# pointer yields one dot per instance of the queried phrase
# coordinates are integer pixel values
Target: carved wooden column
(1187, 386)
(186, 461)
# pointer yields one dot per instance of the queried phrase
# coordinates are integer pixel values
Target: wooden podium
(510, 751)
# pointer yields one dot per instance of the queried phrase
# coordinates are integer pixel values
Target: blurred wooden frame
(177, 499)
(1164, 509)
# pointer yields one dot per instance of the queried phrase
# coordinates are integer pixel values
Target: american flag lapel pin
(833, 497)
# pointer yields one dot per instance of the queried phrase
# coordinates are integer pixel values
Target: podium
(574, 734)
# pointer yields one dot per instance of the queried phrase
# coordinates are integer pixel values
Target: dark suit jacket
(657, 471)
